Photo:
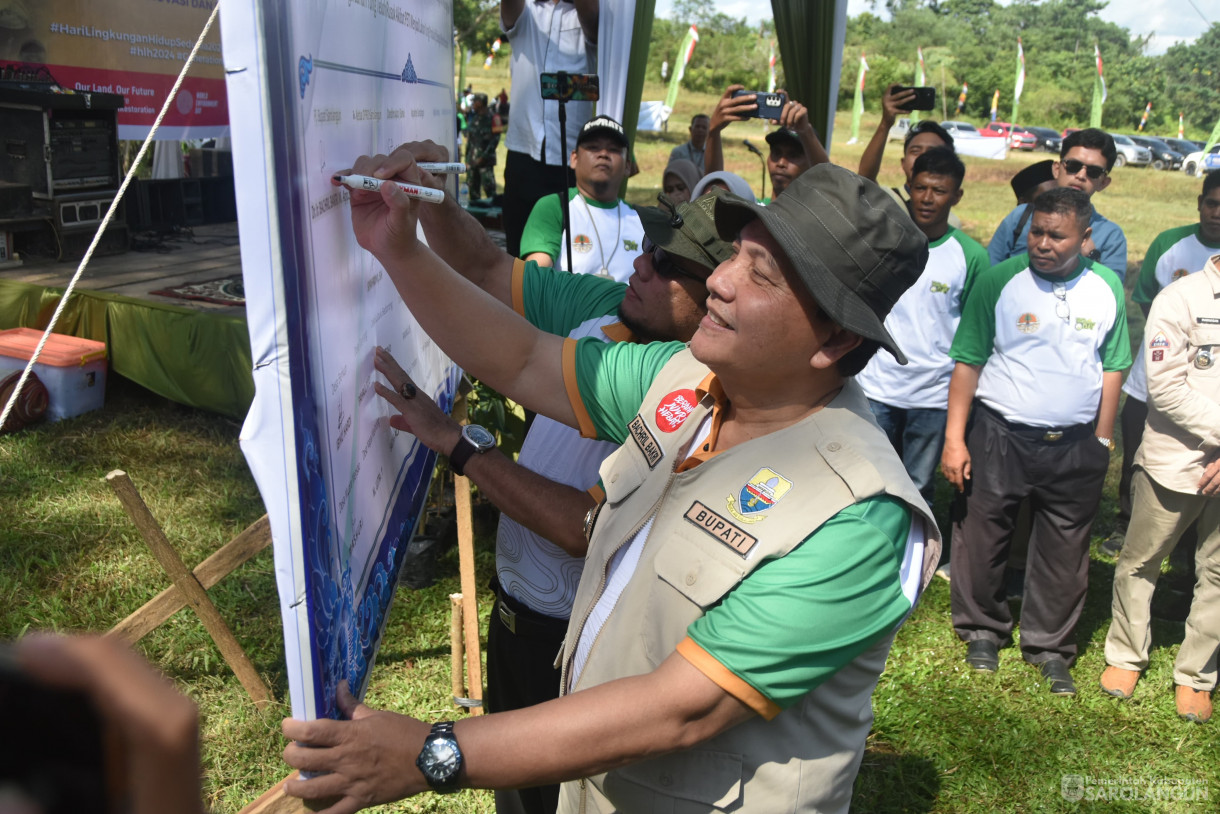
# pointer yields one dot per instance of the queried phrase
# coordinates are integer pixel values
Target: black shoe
(1055, 671)
(983, 656)
(1112, 546)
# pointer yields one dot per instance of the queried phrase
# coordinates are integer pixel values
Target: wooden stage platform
(193, 255)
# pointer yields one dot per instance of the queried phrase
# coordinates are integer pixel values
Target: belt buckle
(1052, 435)
(508, 617)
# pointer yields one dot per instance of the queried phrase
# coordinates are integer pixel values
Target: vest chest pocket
(690, 577)
(623, 472)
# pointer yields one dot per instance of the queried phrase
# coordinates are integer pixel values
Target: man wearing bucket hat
(759, 544)
(545, 495)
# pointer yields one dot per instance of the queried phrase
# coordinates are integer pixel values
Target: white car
(1201, 163)
(962, 130)
(899, 131)
(1129, 152)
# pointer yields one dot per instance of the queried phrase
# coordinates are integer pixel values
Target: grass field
(945, 739)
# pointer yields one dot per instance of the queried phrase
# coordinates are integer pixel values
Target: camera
(770, 105)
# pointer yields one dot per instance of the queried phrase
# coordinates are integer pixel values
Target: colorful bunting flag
(1020, 83)
(684, 53)
(771, 70)
(1181, 126)
(961, 99)
(1099, 91)
(1144, 118)
(995, 104)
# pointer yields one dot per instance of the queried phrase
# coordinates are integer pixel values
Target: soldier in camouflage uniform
(483, 130)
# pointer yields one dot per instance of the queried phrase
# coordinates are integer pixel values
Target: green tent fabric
(806, 33)
(193, 358)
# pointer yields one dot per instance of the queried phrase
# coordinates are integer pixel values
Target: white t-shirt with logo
(608, 236)
(923, 323)
(1174, 254)
(1043, 343)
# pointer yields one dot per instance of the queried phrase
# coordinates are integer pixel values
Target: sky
(1168, 22)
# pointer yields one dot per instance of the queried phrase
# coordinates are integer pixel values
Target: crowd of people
(724, 510)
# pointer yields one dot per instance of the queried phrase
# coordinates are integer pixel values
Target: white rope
(97, 236)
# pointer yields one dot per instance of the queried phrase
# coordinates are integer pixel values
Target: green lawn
(945, 739)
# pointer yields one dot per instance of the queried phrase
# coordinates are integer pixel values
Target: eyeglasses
(1062, 309)
(665, 266)
(1074, 167)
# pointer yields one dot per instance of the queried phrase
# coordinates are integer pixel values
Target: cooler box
(73, 369)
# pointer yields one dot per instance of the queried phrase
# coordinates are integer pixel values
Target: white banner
(312, 85)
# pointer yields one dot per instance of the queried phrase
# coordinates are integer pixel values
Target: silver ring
(407, 391)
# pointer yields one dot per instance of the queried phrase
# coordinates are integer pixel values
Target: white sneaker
(943, 572)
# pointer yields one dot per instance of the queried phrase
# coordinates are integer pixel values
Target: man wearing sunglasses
(1039, 355)
(545, 495)
(1085, 161)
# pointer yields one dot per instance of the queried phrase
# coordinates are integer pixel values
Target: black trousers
(1063, 481)
(525, 182)
(521, 673)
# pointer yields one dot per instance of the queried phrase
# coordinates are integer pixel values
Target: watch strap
(462, 453)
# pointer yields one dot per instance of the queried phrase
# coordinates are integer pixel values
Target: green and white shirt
(1044, 342)
(609, 236)
(1174, 254)
(923, 322)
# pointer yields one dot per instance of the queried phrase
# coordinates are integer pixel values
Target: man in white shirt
(607, 235)
(546, 36)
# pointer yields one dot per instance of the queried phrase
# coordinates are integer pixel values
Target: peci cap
(602, 125)
(855, 248)
(687, 230)
(782, 136)
(1031, 177)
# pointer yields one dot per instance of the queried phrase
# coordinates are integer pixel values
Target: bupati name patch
(645, 441)
(720, 528)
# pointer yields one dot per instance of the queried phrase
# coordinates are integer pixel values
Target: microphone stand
(761, 158)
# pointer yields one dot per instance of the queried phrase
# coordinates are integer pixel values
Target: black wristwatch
(474, 439)
(441, 760)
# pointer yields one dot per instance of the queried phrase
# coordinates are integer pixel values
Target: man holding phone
(923, 136)
(795, 147)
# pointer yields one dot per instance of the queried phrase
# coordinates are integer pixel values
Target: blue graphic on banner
(306, 66)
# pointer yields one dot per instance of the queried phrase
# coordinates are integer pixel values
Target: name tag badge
(1203, 359)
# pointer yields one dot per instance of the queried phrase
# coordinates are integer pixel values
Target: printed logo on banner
(582, 243)
(759, 493)
(1159, 341)
(724, 531)
(1027, 323)
(675, 408)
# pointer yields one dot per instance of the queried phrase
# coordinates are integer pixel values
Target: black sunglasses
(1074, 167)
(665, 266)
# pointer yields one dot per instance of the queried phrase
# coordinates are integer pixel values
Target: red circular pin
(674, 409)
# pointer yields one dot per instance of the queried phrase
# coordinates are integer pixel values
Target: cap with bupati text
(852, 245)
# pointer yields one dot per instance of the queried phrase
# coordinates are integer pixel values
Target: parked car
(1183, 145)
(899, 131)
(1129, 152)
(1021, 139)
(995, 129)
(1018, 137)
(961, 129)
(1067, 131)
(1164, 157)
(1048, 139)
(1200, 163)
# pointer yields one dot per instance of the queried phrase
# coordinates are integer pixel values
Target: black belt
(1046, 435)
(521, 620)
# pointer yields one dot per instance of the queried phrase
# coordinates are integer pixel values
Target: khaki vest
(699, 548)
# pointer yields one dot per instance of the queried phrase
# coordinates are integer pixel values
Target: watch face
(439, 759)
(480, 437)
